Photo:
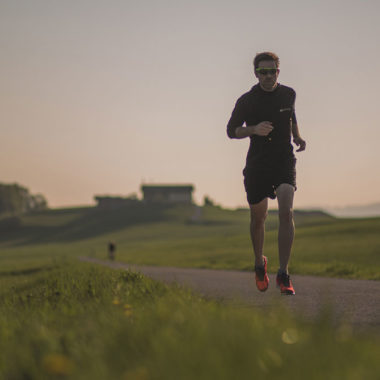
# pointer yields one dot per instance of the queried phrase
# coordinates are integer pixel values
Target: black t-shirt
(277, 107)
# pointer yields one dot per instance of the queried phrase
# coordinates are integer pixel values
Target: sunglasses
(266, 71)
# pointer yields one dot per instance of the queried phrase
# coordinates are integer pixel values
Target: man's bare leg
(285, 196)
(259, 213)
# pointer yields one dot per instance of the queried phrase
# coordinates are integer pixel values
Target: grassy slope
(88, 322)
(157, 236)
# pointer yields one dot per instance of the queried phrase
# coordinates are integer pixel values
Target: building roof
(165, 187)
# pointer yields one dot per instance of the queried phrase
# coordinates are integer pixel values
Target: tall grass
(85, 322)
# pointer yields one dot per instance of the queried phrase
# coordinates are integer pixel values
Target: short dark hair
(266, 56)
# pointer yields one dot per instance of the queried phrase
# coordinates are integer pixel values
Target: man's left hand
(300, 142)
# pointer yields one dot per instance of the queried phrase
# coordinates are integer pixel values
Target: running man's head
(267, 69)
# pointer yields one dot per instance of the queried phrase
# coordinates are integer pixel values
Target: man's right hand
(262, 129)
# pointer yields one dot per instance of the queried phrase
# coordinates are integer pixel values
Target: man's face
(267, 75)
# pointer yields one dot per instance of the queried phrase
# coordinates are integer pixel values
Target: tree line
(17, 199)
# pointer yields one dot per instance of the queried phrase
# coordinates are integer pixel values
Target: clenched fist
(301, 143)
(263, 128)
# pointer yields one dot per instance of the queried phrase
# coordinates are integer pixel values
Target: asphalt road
(354, 301)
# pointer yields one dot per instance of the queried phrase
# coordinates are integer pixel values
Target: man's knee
(285, 215)
(285, 194)
(259, 212)
(258, 218)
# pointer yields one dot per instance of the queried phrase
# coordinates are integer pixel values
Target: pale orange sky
(98, 96)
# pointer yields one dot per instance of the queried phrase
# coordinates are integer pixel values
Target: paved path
(354, 301)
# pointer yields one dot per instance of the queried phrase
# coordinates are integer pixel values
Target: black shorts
(262, 182)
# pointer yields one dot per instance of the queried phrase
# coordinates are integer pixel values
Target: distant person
(266, 114)
(111, 250)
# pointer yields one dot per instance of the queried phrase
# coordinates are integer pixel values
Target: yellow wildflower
(290, 336)
(137, 374)
(57, 364)
(127, 310)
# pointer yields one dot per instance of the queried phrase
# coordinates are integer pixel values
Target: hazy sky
(97, 97)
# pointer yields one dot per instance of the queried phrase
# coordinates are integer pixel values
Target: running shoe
(285, 284)
(262, 279)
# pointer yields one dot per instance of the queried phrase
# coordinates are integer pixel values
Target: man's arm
(261, 129)
(237, 119)
(298, 140)
(236, 128)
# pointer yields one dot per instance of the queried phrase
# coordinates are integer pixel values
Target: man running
(266, 115)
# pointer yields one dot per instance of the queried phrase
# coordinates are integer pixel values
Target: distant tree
(207, 201)
(37, 203)
(17, 199)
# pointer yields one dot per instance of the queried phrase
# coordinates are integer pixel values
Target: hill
(216, 238)
(75, 224)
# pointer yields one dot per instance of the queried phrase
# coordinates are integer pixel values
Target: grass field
(60, 318)
(74, 320)
(154, 235)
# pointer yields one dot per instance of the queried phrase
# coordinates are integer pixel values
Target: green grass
(63, 319)
(155, 235)
(80, 321)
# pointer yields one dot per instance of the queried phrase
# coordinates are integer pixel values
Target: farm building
(111, 203)
(168, 193)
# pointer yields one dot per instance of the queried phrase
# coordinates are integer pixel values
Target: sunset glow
(98, 97)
